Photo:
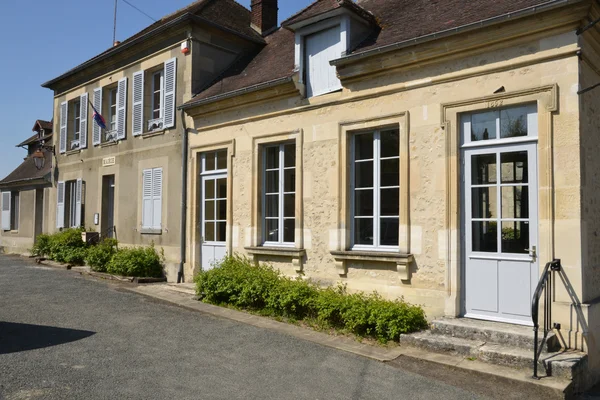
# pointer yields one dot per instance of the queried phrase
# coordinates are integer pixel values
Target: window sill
(297, 255)
(150, 134)
(71, 152)
(401, 260)
(108, 144)
(148, 231)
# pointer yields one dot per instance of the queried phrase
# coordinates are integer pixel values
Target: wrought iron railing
(545, 286)
(110, 136)
(155, 124)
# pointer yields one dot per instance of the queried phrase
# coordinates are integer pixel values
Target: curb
(53, 264)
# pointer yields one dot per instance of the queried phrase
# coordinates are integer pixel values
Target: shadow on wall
(577, 316)
(16, 337)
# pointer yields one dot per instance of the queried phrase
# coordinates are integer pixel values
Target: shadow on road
(22, 337)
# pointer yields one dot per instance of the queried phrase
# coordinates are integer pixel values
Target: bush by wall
(136, 261)
(239, 283)
(65, 246)
(99, 256)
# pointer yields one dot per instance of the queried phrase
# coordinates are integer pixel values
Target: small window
(214, 161)
(112, 106)
(77, 120)
(279, 194)
(14, 211)
(376, 189)
(501, 124)
(152, 198)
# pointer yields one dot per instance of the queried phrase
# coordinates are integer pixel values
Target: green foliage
(99, 256)
(41, 247)
(137, 261)
(65, 246)
(237, 282)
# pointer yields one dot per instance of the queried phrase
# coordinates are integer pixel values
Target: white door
(500, 213)
(214, 219)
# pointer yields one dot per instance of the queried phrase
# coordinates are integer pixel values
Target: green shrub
(136, 261)
(41, 247)
(237, 282)
(65, 246)
(99, 256)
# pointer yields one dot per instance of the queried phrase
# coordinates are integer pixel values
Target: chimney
(264, 15)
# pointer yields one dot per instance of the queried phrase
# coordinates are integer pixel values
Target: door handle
(532, 252)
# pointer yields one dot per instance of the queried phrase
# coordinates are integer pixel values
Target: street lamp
(39, 158)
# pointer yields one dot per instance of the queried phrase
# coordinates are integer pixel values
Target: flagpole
(115, 25)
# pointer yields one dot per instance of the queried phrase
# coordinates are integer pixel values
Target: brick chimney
(264, 15)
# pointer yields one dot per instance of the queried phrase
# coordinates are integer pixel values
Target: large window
(376, 189)
(70, 204)
(279, 194)
(152, 198)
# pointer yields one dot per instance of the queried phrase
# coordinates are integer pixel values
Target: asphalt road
(67, 337)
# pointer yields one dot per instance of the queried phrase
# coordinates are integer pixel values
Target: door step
(497, 344)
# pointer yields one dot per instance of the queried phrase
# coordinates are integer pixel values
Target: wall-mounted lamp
(39, 158)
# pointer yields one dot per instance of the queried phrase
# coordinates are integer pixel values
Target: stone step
(561, 364)
(492, 332)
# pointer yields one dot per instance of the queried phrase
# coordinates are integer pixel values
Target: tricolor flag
(98, 117)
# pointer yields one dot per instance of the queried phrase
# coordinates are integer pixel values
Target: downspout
(184, 179)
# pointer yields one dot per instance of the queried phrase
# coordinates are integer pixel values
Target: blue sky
(46, 38)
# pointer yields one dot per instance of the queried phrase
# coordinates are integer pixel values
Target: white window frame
(161, 91)
(281, 168)
(376, 193)
(77, 120)
(153, 225)
(112, 107)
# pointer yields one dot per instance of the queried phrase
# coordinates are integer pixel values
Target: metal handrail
(545, 283)
(105, 234)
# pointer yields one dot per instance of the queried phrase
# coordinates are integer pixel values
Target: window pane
(485, 237)
(363, 174)
(272, 206)
(222, 210)
(222, 188)
(390, 143)
(484, 202)
(221, 231)
(272, 184)
(272, 157)
(363, 203)
(272, 230)
(157, 81)
(222, 159)
(483, 169)
(363, 146)
(290, 155)
(157, 97)
(289, 180)
(289, 227)
(514, 167)
(513, 122)
(389, 228)
(390, 202)
(289, 205)
(515, 202)
(210, 162)
(390, 172)
(515, 237)
(209, 210)
(209, 232)
(483, 126)
(209, 188)
(363, 231)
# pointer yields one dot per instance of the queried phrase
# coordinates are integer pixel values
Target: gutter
(248, 89)
(184, 179)
(550, 5)
(42, 180)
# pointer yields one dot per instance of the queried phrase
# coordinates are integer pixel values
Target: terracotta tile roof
(398, 20)
(228, 14)
(323, 6)
(28, 172)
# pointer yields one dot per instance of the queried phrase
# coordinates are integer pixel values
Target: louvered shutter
(96, 130)
(6, 211)
(121, 108)
(83, 122)
(78, 194)
(170, 86)
(147, 199)
(63, 127)
(60, 205)
(157, 198)
(321, 48)
(137, 114)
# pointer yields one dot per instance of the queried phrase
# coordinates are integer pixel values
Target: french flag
(98, 118)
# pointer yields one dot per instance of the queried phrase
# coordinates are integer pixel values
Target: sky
(42, 39)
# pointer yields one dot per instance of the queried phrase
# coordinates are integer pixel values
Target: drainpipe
(184, 178)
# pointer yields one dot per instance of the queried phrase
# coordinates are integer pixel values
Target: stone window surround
(342, 254)
(546, 98)
(297, 252)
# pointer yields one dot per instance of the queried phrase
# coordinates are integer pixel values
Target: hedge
(237, 282)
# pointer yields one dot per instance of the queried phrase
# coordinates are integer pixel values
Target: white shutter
(137, 114)
(96, 130)
(147, 199)
(83, 104)
(121, 108)
(63, 127)
(170, 87)
(78, 193)
(157, 198)
(321, 48)
(6, 211)
(60, 205)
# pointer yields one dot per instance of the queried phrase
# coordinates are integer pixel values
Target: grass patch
(236, 282)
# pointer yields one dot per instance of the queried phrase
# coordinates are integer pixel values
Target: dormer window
(320, 48)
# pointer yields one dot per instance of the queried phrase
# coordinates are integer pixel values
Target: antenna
(115, 25)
